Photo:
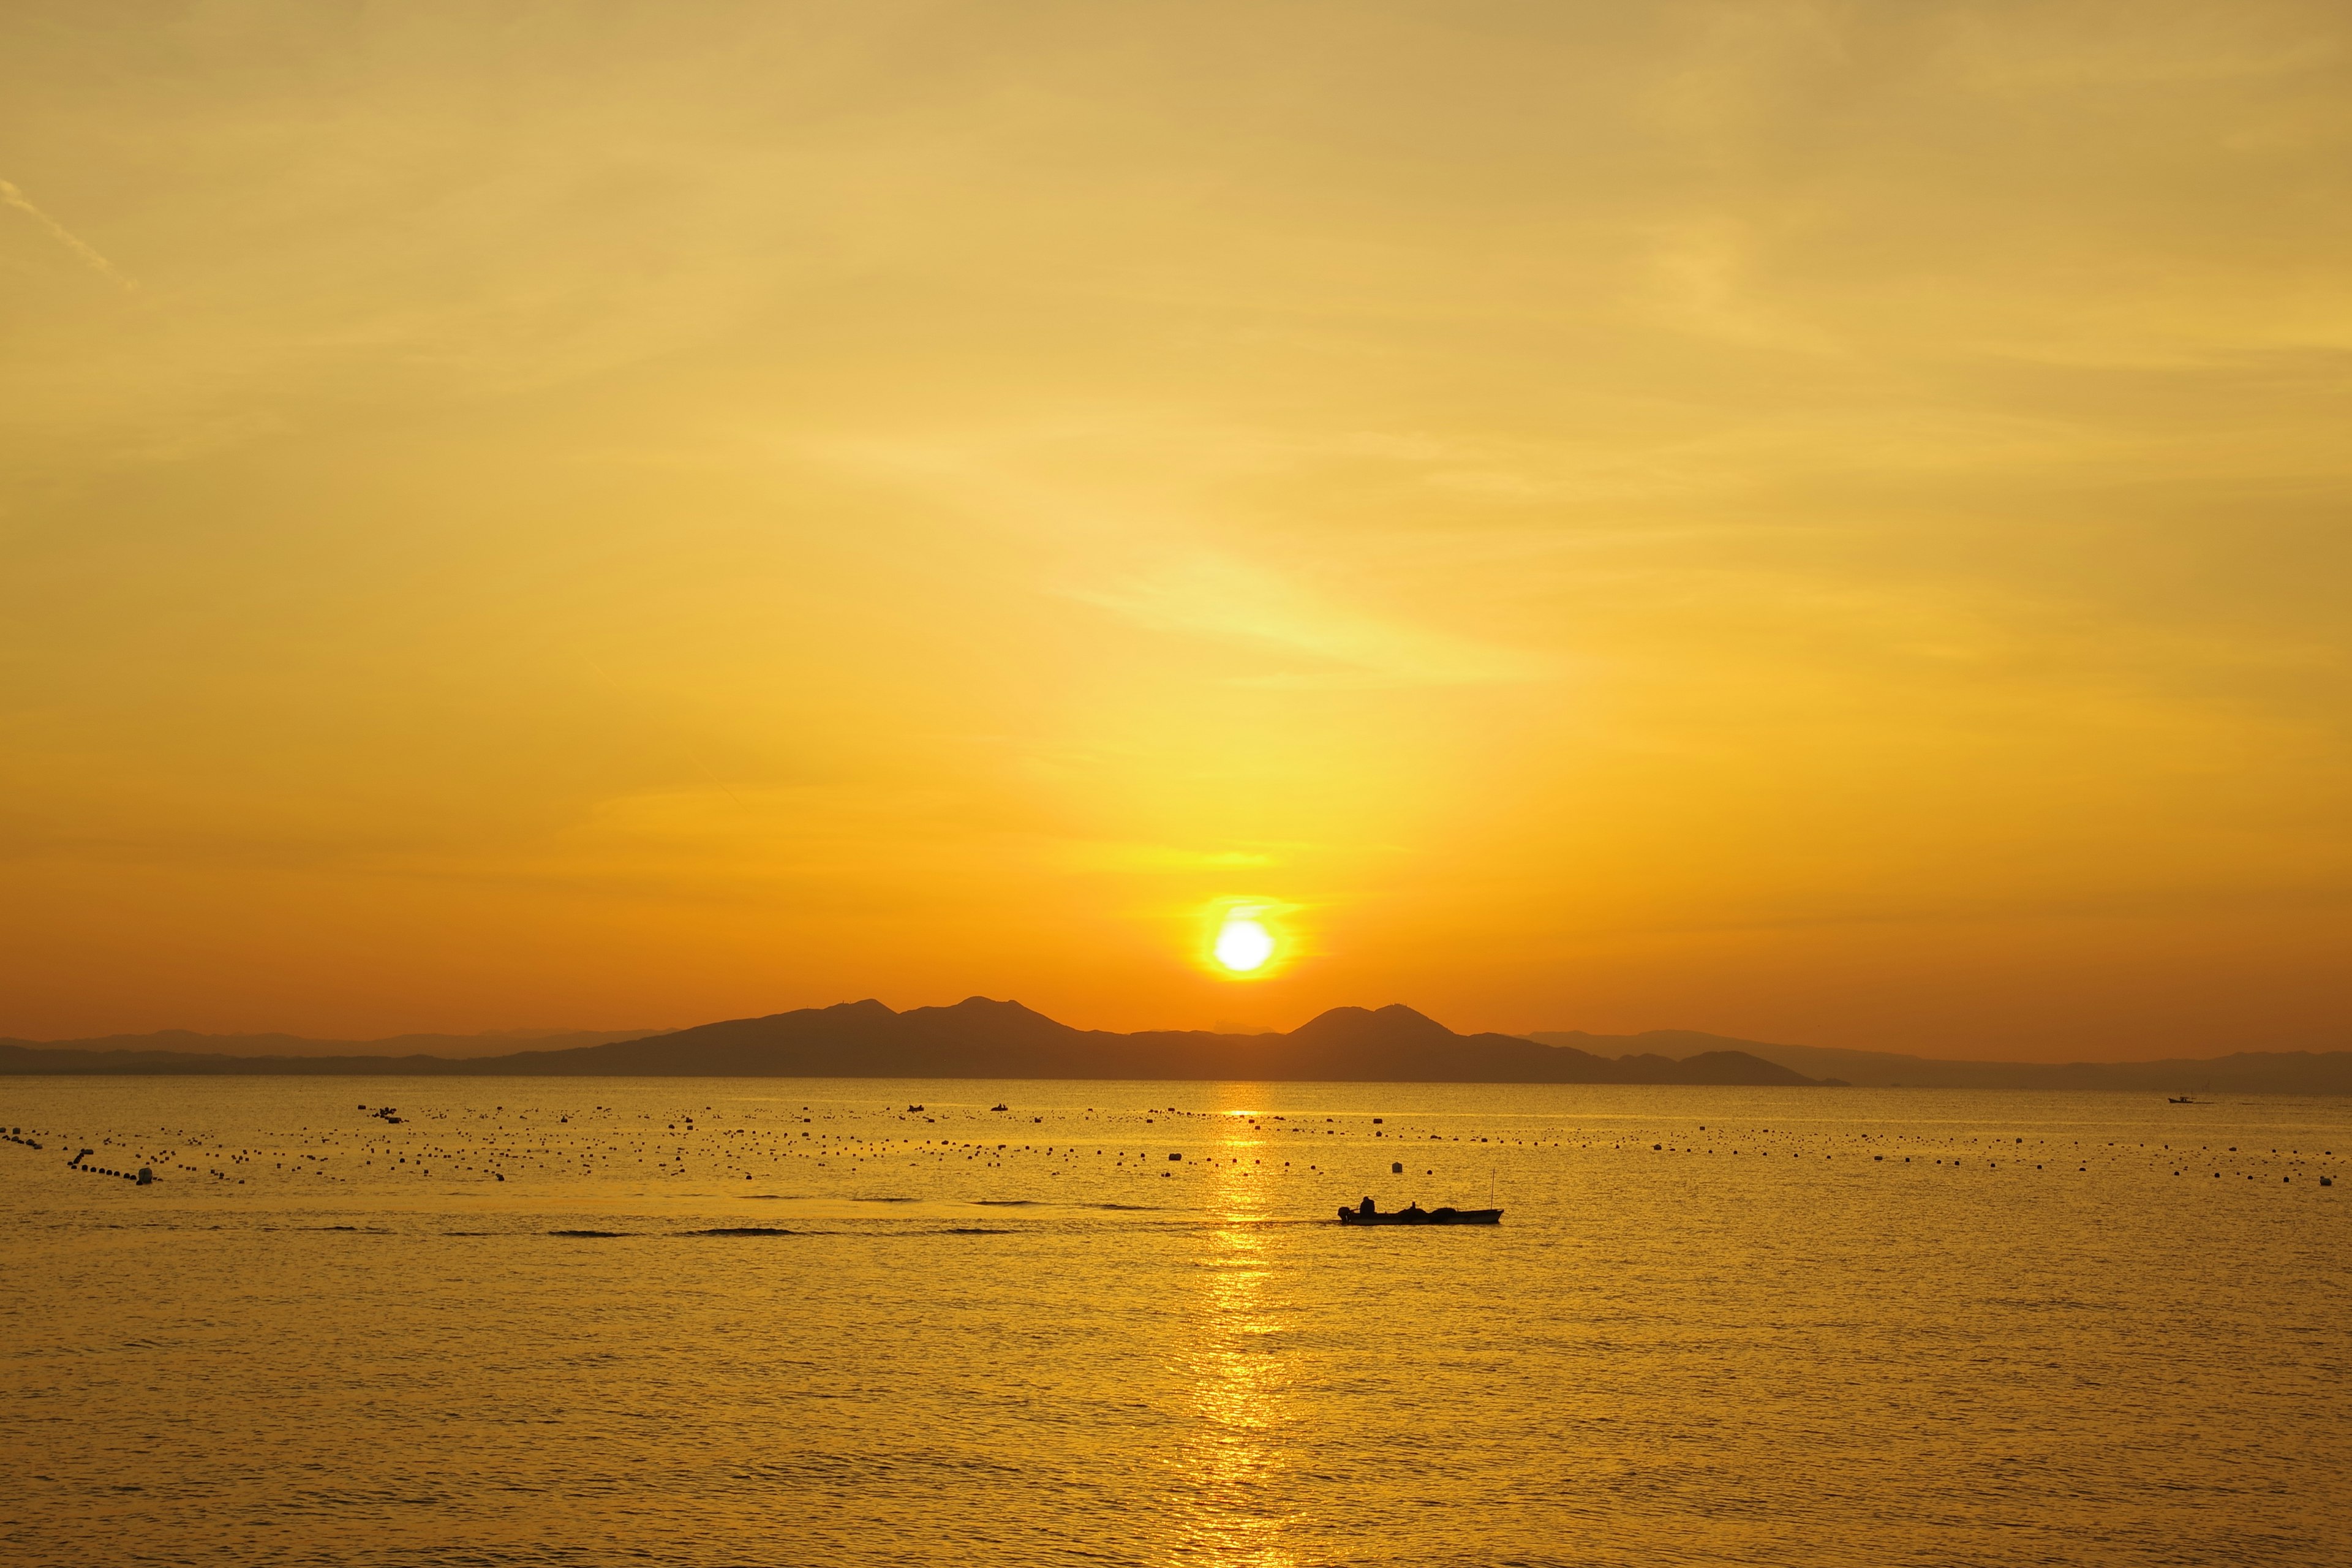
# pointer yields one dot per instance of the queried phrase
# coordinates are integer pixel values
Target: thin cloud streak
(1209, 594)
(89, 253)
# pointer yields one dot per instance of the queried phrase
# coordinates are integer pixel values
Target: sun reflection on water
(1230, 1482)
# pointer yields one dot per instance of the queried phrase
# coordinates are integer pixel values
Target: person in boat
(1366, 1208)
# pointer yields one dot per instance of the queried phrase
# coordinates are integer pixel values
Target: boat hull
(1423, 1216)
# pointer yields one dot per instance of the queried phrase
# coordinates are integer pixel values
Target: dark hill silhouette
(978, 1037)
(982, 1038)
(2242, 1072)
(185, 1042)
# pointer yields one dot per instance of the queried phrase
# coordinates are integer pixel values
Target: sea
(878, 1321)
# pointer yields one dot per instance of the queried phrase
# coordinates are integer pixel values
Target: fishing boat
(1365, 1213)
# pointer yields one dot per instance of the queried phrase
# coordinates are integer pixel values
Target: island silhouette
(977, 1038)
(980, 1038)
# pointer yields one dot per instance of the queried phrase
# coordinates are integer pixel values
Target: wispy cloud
(81, 247)
(1208, 594)
(1134, 552)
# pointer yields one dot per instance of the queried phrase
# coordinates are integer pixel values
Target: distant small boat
(1000, 1108)
(1416, 1214)
(2179, 1100)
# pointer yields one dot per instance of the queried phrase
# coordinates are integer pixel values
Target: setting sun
(1246, 938)
(1243, 944)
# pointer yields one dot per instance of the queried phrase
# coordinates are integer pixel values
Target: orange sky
(1809, 521)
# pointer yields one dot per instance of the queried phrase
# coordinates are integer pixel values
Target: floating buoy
(1396, 1168)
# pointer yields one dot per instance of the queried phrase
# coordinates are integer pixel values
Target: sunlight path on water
(1230, 1469)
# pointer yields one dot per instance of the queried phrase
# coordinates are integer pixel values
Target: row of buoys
(144, 1175)
(551, 1153)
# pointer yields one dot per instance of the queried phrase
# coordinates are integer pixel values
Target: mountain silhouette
(979, 1037)
(2241, 1072)
(186, 1042)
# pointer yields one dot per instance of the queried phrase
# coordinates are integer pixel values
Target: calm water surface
(800, 1321)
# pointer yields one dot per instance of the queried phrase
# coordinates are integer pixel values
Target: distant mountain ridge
(186, 1042)
(978, 1037)
(982, 1038)
(2242, 1072)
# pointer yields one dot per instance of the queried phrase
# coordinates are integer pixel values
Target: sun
(1246, 938)
(1243, 944)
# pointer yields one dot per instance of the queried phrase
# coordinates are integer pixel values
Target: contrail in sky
(66, 236)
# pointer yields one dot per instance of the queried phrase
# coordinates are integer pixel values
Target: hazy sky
(1815, 521)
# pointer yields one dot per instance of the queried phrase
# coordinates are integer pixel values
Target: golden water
(1810, 1327)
